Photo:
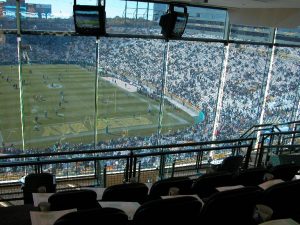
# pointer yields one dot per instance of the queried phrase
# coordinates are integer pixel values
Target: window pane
(10, 117)
(131, 17)
(58, 80)
(192, 90)
(283, 96)
(243, 94)
(128, 91)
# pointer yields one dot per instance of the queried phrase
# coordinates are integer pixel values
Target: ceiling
(240, 3)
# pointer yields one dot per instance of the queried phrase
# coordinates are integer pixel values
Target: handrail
(283, 132)
(124, 149)
(274, 125)
(92, 158)
(245, 134)
(267, 143)
(281, 146)
(132, 158)
(287, 123)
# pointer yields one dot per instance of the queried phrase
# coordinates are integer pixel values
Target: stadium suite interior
(135, 104)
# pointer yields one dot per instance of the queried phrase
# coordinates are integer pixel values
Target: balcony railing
(110, 166)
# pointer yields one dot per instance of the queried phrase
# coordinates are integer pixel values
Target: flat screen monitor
(173, 23)
(89, 20)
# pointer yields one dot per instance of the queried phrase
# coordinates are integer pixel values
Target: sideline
(124, 85)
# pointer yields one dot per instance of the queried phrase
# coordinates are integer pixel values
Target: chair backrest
(177, 210)
(97, 216)
(162, 187)
(131, 192)
(231, 207)
(205, 185)
(251, 177)
(33, 183)
(79, 199)
(231, 164)
(285, 171)
(284, 199)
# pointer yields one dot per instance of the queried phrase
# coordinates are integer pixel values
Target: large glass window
(58, 82)
(58, 78)
(245, 80)
(48, 15)
(10, 117)
(282, 99)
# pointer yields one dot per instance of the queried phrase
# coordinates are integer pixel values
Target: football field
(60, 104)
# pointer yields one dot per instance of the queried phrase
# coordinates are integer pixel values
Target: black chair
(97, 216)
(251, 177)
(79, 199)
(205, 185)
(285, 172)
(284, 200)
(177, 210)
(162, 187)
(131, 192)
(230, 164)
(234, 207)
(37, 182)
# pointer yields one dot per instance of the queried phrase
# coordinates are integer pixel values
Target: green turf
(123, 113)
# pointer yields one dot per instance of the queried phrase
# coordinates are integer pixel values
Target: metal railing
(138, 163)
(276, 143)
(105, 167)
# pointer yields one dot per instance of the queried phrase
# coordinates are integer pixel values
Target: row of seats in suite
(33, 182)
(169, 211)
(231, 206)
(203, 186)
(176, 210)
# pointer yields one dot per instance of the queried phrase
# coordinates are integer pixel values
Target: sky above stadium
(63, 8)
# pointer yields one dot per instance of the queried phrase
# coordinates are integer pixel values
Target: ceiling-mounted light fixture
(90, 19)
